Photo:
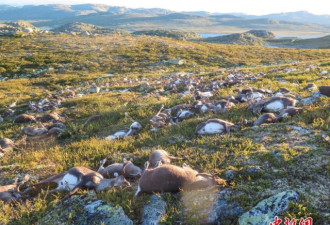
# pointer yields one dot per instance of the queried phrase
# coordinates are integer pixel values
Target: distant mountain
(59, 11)
(299, 16)
(302, 17)
(56, 15)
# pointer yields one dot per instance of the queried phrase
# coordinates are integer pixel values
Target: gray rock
(230, 174)
(265, 211)
(225, 211)
(309, 100)
(85, 210)
(254, 169)
(300, 129)
(222, 210)
(154, 211)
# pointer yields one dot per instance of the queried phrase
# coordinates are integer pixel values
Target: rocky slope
(18, 28)
(87, 29)
(252, 37)
(182, 35)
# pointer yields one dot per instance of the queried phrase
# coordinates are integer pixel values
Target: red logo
(278, 221)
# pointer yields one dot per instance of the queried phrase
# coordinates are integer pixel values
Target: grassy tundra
(56, 62)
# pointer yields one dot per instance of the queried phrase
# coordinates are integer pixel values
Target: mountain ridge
(55, 15)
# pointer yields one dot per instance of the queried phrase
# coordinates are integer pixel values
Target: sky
(253, 7)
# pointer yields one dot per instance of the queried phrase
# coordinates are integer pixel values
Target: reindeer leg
(129, 117)
(70, 193)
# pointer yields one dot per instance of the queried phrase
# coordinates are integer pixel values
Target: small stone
(230, 174)
(154, 211)
(254, 169)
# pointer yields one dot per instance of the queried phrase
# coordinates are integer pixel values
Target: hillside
(322, 42)
(18, 28)
(183, 35)
(154, 19)
(252, 37)
(87, 29)
(87, 99)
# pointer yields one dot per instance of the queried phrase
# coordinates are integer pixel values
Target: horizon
(294, 6)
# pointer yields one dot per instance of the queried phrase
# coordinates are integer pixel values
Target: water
(298, 36)
(45, 28)
(207, 35)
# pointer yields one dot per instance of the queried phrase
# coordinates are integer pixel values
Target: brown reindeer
(276, 103)
(160, 156)
(11, 193)
(127, 169)
(81, 177)
(171, 178)
(24, 118)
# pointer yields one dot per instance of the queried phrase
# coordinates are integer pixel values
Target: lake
(207, 35)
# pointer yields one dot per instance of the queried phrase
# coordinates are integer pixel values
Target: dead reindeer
(8, 112)
(135, 126)
(6, 145)
(55, 131)
(183, 115)
(11, 193)
(198, 95)
(133, 130)
(272, 104)
(161, 120)
(160, 156)
(266, 118)
(127, 169)
(204, 105)
(173, 111)
(54, 117)
(171, 178)
(24, 118)
(79, 178)
(92, 118)
(290, 112)
(32, 131)
(325, 90)
(215, 126)
(310, 87)
(223, 104)
(180, 112)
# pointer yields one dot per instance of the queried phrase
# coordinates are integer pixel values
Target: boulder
(85, 210)
(154, 211)
(265, 211)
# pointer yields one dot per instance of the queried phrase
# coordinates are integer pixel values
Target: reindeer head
(213, 180)
(130, 170)
(134, 128)
(120, 181)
